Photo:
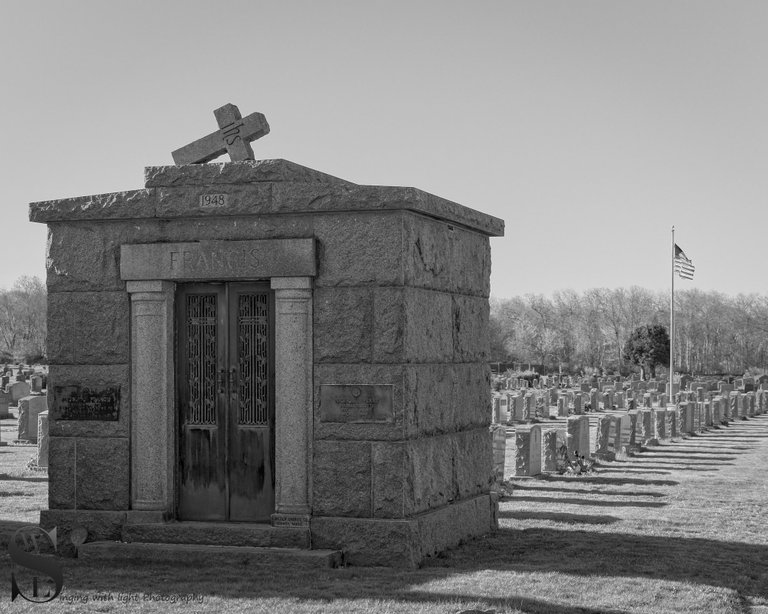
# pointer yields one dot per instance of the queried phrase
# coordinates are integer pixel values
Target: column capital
(291, 283)
(155, 285)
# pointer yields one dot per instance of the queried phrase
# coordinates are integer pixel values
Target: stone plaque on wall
(356, 403)
(87, 403)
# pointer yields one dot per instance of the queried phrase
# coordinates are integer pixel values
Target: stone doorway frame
(153, 404)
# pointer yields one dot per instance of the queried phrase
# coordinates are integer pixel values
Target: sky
(590, 127)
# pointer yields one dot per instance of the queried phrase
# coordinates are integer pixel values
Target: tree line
(572, 331)
(23, 320)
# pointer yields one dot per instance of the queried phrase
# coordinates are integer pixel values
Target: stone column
(152, 395)
(293, 399)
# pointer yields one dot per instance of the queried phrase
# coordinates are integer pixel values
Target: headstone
(602, 450)
(29, 409)
(499, 439)
(733, 405)
(578, 436)
(36, 383)
(645, 427)
(647, 400)
(562, 407)
(42, 439)
(594, 399)
(519, 402)
(622, 426)
(620, 400)
(527, 450)
(686, 418)
(673, 419)
(528, 407)
(549, 450)
(660, 424)
(5, 402)
(18, 391)
(578, 407)
(4, 382)
(717, 414)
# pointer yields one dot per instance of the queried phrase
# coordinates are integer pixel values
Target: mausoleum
(255, 353)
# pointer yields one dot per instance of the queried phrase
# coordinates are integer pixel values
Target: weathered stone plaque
(218, 259)
(87, 403)
(356, 403)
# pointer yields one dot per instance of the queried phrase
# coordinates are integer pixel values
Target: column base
(290, 520)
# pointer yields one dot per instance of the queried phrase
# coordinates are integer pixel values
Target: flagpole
(672, 324)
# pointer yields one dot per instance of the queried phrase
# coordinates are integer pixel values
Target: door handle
(233, 380)
(222, 381)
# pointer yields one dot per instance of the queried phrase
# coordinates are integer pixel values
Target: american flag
(683, 264)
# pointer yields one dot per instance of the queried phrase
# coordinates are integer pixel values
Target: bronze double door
(225, 392)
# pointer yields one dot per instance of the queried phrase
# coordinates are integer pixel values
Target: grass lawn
(677, 528)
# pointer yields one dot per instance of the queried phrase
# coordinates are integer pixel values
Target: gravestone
(672, 422)
(18, 390)
(549, 446)
(659, 424)
(29, 409)
(499, 438)
(623, 436)
(645, 427)
(42, 439)
(518, 406)
(368, 303)
(687, 421)
(5, 402)
(578, 436)
(603, 444)
(562, 407)
(527, 450)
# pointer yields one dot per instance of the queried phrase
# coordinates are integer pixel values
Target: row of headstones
(633, 383)
(537, 446)
(518, 407)
(35, 382)
(742, 384)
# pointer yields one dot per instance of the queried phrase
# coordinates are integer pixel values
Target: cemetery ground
(676, 528)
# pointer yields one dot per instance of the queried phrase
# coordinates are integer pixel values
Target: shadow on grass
(732, 565)
(607, 480)
(19, 478)
(632, 470)
(594, 502)
(683, 466)
(683, 455)
(561, 517)
(593, 491)
(571, 552)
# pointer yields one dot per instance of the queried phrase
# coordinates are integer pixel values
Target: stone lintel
(218, 259)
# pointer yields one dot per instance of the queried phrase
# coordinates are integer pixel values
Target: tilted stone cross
(234, 137)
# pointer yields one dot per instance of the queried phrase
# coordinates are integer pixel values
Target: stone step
(206, 555)
(218, 534)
